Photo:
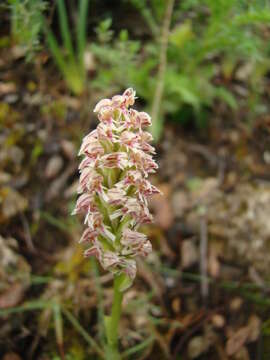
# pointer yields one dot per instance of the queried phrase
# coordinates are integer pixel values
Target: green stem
(112, 352)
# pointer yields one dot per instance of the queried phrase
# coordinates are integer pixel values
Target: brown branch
(162, 60)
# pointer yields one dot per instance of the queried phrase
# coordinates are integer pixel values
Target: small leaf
(181, 34)
(124, 282)
(227, 97)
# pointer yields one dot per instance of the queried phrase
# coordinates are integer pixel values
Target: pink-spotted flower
(114, 187)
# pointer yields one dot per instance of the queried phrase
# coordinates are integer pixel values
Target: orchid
(114, 189)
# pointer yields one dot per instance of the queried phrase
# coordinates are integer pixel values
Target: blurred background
(201, 68)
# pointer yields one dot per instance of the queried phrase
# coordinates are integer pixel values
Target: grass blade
(82, 30)
(138, 347)
(38, 279)
(99, 292)
(65, 32)
(58, 327)
(29, 306)
(83, 332)
(52, 220)
(56, 52)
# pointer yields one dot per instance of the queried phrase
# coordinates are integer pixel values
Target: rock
(7, 87)
(245, 334)
(162, 207)
(4, 177)
(89, 61)
(11, 98)
(68, 149)
(53, 167)
(218, 321)
(180, 203)
(12, 296)
(176, 305)
(197, 346)
(11, 356)
(189, 253)
(242, 354)
(239, 220)
(237, 340)
(12, 265)
(204, 189)
(244, 71)
(236, 303)
(215, 251)
(71, 190)
(254, 324)
(16, 154)
(12, 203)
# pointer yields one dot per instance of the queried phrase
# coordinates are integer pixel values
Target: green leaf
(83, 333)
(65, 32)
(139, 347)
(226, 96)
(56, 52)
(124, 282)
(181, 34)
(81, 30)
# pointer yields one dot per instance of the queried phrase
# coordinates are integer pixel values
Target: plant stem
(112, 352)
(81, 32)
(157, 100)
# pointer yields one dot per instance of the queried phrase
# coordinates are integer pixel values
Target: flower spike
(114, 187)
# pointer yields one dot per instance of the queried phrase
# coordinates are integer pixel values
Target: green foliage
(230, 35)
(213, 35)
(208, 42)
(207, 39)
(152, 14)
(123, 62)
(70, 64)
(117, 58)
(26, 24)
(56, 109)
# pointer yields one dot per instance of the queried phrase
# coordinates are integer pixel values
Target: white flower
(113, 184)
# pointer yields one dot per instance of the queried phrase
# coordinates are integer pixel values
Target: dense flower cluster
(113, 184)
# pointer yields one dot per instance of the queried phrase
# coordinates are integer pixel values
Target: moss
(36, 152)
(8, 116)
(56, 109)
(74, 267)
(31, 86)
(4, 42)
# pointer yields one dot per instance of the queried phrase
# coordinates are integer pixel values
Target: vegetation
(208, 42)
(26, 24)
(200, 68)
(69, 61)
